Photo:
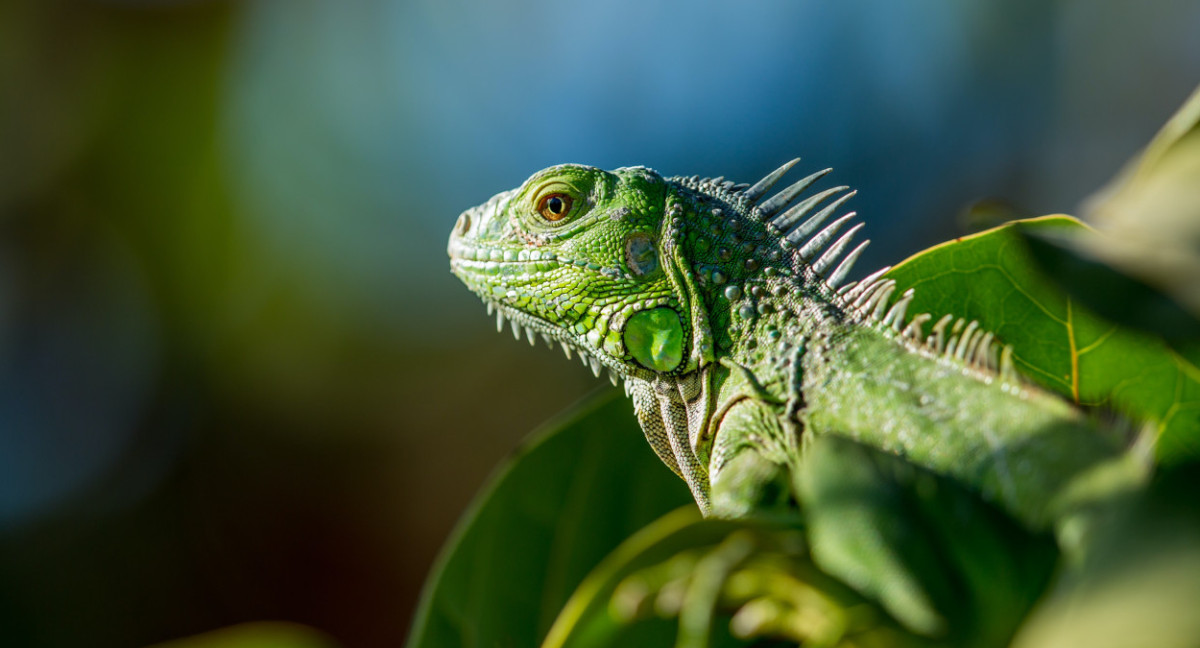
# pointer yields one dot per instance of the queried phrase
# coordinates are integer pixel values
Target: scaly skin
(724, 318)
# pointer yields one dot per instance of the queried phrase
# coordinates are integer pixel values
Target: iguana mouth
(534, 327)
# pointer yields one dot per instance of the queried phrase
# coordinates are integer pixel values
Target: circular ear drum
(641, 255)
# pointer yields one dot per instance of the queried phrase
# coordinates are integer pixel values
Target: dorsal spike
(937, 338)
(840, 272)
(984, 354)
(964, 341)
(879, 303)
(825, 260)
(866, 284)
(914, 329)
(772, 205)
(867, 300)
(819, 239)
(1008, 370)
(756, 190)
(798, 233)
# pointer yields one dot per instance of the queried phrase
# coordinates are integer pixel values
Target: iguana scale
(726, 314)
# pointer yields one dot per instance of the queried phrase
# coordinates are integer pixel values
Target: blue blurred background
(237, 380)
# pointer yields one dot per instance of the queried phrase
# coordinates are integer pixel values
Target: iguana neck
(759, 301)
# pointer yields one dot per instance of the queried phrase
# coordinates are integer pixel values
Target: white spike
(566, 349)
(971, 337)
(958, 326)
(756, 191)
(914, 328)
(967, 346)
(787, 221)
(772, 205)
(548, 340)
(880, 301)
(612, 376)
(955, 341)
(531, 336)
(825, 260)
(868, 283)
(840, 272)
(868, 296)
(1008, 370)
(499, 321)
(895, 315)
(983, 353)
(937, 338)
(819, 239)
(491, 308)
(516, 330)
(595, 364)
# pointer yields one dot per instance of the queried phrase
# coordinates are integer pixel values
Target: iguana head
(575, 255)
(646, 275)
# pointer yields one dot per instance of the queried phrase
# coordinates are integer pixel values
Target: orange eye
(555, 206)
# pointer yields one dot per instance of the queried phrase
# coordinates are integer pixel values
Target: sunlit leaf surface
(1056, 343)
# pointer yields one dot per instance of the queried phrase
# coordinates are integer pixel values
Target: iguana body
(725, 314)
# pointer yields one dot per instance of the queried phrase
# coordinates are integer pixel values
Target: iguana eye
(555, 206)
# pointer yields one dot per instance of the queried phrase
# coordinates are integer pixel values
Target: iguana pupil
(555, 206)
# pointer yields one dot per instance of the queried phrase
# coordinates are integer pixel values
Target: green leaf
(934, 554)
(990, 277)
(1139, 585)
(687, 581)
(581, 485)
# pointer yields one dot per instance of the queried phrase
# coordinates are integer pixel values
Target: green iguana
(727, 315)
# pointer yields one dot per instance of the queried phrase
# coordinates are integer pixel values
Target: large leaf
(561, 503)
(950, 568)
(1139, 585)
(686, 581)
(990, 277)
(931, 552)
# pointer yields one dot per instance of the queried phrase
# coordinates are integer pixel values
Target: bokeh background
(237, 380)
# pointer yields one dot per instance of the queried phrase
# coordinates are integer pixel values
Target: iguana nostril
(463, 224)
